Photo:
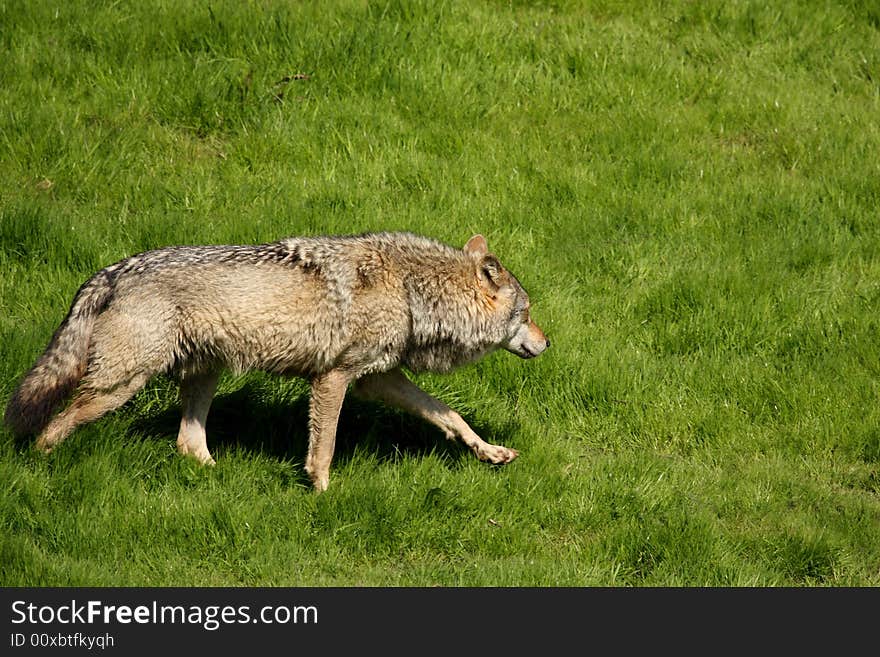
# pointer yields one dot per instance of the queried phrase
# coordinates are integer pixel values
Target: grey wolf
(336, 310)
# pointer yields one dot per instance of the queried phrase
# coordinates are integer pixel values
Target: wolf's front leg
(196, 393)
(328, 391)
(394, 388)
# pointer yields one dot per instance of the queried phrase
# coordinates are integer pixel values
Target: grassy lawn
(688, 190)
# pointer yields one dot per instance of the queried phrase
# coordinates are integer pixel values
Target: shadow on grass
(245, 420)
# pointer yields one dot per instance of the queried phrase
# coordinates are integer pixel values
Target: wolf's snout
(538, 342)
(539, 347)
(529, 342)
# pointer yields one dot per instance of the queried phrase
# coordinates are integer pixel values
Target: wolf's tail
(57, 372)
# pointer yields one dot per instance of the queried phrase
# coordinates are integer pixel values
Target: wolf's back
(63, 363)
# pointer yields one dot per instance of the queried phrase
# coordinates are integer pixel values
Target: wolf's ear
(492, 271)
(476, 246)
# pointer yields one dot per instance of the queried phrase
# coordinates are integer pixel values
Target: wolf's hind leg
(328, 392)
(394, 388)
(88, 405)
(196, 393)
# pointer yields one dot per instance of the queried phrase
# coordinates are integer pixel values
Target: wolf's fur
(335, 310)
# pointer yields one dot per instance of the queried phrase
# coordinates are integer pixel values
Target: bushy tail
(57, 372)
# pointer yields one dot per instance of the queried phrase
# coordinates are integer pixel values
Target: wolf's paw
(43, 449)
(320, 479)
(46, 443)
(203, 456)
(497, 454)
(321, 483)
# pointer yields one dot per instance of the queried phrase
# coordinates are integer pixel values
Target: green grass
(689, 191)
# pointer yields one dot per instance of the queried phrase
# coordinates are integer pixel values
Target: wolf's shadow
(245, 420)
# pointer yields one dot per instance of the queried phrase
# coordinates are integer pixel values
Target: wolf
(335, 310)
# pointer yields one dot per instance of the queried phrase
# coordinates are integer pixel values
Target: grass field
(689, 191)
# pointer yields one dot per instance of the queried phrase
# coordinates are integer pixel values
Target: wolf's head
(509, 300)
